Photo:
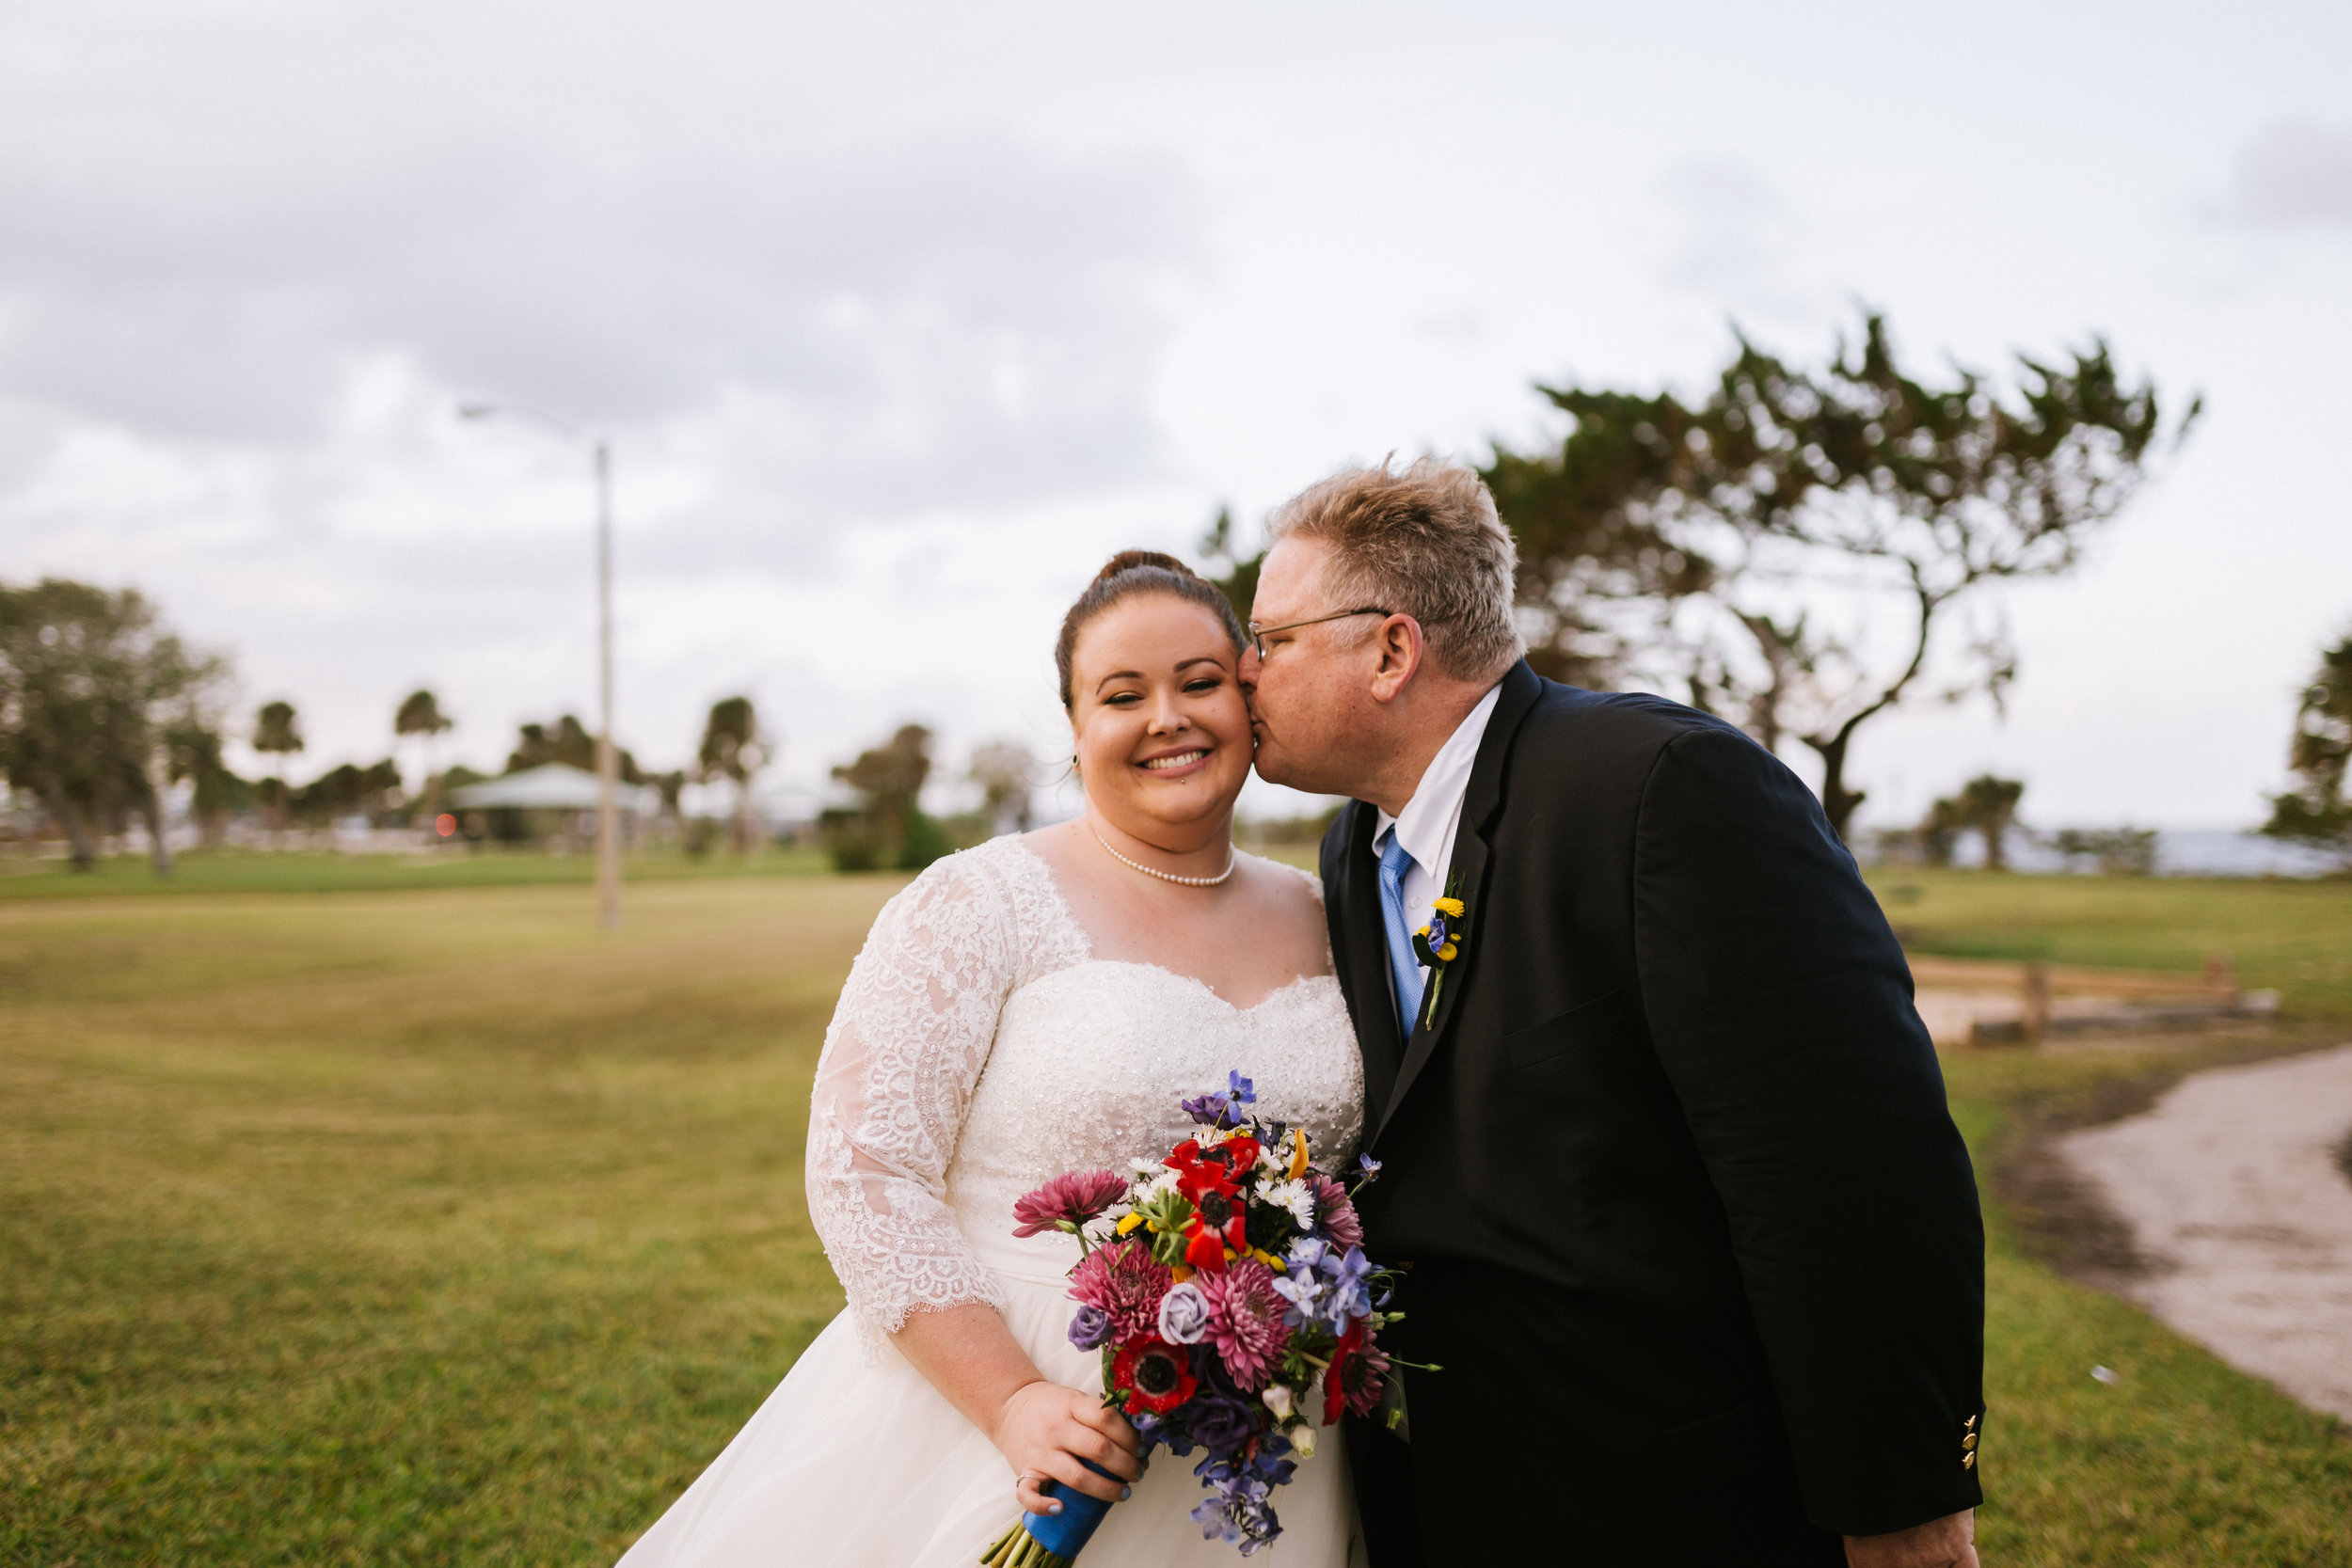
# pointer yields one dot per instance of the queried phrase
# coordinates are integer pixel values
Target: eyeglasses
(1258, 634)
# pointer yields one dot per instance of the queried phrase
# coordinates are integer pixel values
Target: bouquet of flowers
(1221, 1284)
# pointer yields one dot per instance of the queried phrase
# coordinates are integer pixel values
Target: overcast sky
(903, 317)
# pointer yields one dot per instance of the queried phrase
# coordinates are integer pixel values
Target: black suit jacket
(1693, 1234)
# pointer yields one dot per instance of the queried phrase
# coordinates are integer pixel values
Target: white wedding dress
(981, 1049)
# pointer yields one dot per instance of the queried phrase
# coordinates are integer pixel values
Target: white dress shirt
(1434, 814)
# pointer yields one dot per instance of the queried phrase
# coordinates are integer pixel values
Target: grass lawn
(2291, 936)
(2182, 1459)
(426, 1228)
(304, 871)
(432, 1228)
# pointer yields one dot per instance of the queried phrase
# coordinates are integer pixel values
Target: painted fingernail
(1126, 1492)
(1053, 1507)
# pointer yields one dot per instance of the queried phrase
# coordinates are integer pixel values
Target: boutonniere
(1438, 944)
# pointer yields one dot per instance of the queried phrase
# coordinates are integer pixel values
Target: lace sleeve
(907, 1044)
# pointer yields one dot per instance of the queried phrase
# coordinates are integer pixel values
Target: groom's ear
(1401, 648)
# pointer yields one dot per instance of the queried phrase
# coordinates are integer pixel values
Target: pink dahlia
(1354, 1379)
(1364, 1378)
(1246, 1321)
(1337, 1213)
(1126, 1282)
(1077, 1198)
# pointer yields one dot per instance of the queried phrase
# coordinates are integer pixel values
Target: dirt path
(2232, 1187)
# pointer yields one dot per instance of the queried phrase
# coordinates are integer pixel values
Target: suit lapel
(1364, 937)
(1481, 803)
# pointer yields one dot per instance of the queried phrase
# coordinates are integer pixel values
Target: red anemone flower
(1335, 1375)
(1153, 1375)
(1197, 1173)
(1218, 1222)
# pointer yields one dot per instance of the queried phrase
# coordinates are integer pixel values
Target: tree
(889, 827)
(731, 749)
(420, 714)
(1990, 806)
(1222, 563)
(192, 750)
(90, 683)
(277, 731)
(569, 743)
(1004, 772)
(2317, 811)
(1706, 545)
(1938, 833)
(346, 790)
(2118, 851)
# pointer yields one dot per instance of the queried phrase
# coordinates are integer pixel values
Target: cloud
(249, 264)
(1740, 239)
(928, 303)
(2293, 174)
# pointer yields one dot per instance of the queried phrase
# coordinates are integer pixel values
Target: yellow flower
(1445, 953)
(1179, 1272)
(1447, 906)
(1298, 1152)
(1130, 1223)
(1263, 1256)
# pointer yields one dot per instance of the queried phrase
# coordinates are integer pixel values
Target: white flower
(1293, 1196)
(1302, 1438)
(1278, 1398)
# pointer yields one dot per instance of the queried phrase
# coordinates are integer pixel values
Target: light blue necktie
(1394, 860)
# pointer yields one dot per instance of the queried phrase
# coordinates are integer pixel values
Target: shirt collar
(1428, 819)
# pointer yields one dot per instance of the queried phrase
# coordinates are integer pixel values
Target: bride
(1036, 1006)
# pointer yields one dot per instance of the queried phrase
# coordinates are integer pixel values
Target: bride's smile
(1160, 731)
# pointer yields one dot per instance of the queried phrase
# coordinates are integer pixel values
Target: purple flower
(1207, 1109)
(1184, 1315)
(1240, 1511)
(1089, 1326)
(1350, 1275)
(1219, 1109)
(1302, 1290)
(1336, 1212)
(1218, 1420)
(1246, 1321)
(1071, 1200)
(1366, 1168)
(1126, 1282)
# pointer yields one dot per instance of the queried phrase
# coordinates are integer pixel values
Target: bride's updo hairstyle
(1132, 572)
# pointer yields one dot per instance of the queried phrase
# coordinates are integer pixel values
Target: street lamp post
(608, 757)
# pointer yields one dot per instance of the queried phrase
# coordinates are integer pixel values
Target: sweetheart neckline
(1194, 981)
(1069, 918)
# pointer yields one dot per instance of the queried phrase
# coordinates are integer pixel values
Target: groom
(1695, 1243)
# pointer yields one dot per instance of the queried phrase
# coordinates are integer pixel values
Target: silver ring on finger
(1026, 1475)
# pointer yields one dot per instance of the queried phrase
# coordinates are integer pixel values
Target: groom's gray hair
(1425, 540)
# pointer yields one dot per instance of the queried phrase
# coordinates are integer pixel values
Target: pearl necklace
(1167, 875)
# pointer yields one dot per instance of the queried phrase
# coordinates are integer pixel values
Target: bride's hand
(1045, 1430)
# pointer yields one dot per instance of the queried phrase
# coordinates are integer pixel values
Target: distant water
(2180, 853)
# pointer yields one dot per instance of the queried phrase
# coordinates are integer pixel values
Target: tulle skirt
(855, 1463)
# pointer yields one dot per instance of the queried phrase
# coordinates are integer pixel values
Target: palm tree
(421, 714)
(276, 731)
(732, 749)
